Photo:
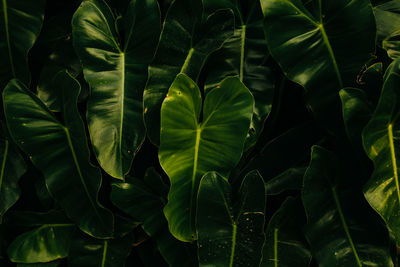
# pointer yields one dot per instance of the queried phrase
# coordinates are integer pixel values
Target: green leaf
(228, 236)
(12, 168)
(190, 148)
(244, 55)
(387, 19)
(392, 45)
(145, 200)
(357, 112)
(116, 71)
(49, 242)
(371, 81)
(60, 151)
(380, 140)
(86, 251)
(185, 43)
(21, 21)
(312, 46)
(341, 229)
(285, 245)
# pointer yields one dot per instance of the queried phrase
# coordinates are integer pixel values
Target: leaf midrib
(3, 165)
(321, 28)
(393, 158)
(105, 247)
(5, 13)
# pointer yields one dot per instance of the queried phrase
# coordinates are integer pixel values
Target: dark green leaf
(189, 148)
(185, 43)
(341, 229)
(117, 72)
(229, 237)
(285, 245)
(21, 21)
(145, 201)
(60, 151)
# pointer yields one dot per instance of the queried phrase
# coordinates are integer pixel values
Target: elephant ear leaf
(380, 141)
(285, 244)
(311, 46)
(341, 229)
(21, 22)
(60, 151)
(116, 71)
(185, 43)
(189, 147)
(245, 55)
(231, 233)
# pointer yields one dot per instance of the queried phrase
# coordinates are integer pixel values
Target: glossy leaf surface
(21, 21)
(185, 43)
(285, 245)
(244, 55)
(189, 147)
(380, 140)
(117, 72)
(312, 50)
(145, 200)
(230, 234)
(60, 152)
(341, 229)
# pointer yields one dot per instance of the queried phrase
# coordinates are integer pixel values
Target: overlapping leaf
(227, 236)
(117, 72)
(189, 147)
(59, 150)
(185, 43)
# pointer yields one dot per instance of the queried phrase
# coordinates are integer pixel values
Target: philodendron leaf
(285, 244)
(229, 237)
(44, 244)
(60, 151)
(21, 21)
(357, 112)
(244, 55)
(48, 242)
(185, 43)
(11, 169)
(380, 140)
(311, 46)
(86, 251)
(341, 229)
(392, 45)
(189, 148)
(145, 200)
(117, 72)
(387, 19)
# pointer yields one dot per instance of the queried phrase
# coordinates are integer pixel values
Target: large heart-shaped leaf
(285, 245)
(117, 72)
(49, 241)
(380, 140)
(185, 43)
(341, 229)
(310, 43)
(145, 201)
(230, 234)
(12, 168)
(60, 151)
(21, 21)
(244, 55)
(189, 148)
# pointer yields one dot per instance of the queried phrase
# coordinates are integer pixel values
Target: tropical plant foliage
(188, 133)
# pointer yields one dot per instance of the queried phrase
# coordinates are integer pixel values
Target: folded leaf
(185, 43)
(117, 72)
(189, 148)
(229, 237)
(60, 151)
